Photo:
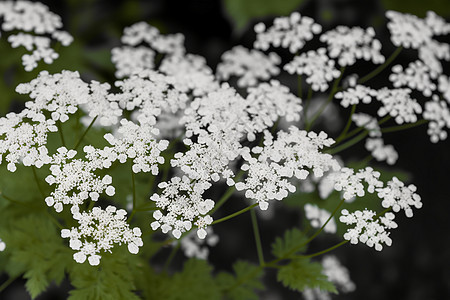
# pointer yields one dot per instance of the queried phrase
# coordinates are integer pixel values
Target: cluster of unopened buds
(260, 129)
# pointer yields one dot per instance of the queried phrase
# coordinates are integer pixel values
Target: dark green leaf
(289, 243)
(300, 274)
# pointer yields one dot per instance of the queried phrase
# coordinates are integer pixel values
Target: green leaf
(194, 282)
(419, 7)
(37, 282)
(244, 284)
(289, 243)
(113, 279)
(242, 12)
(300, 274)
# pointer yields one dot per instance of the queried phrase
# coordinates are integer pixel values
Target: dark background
(415, 267)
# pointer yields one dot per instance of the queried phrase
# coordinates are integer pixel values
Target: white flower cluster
(98, 231)
(337, 274)
(287, 32)
(63, 93)
(193, 246)
(410, 31)
(399, 105)
(22, 141)
(380, 151)
(349, 44)
(317, 218)
(438, 113)
(444, 87)
(148, 93)
(417, 76)
(33, 17)
(251, 66)
(368, 122)
(368, 229)
(132, 58)
(317, 66)
(293, 153)
(183, 200)
(351, 184)
(355, 95)
(399, 196)
(189, 73)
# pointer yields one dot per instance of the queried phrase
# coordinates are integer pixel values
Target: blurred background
(415, 267)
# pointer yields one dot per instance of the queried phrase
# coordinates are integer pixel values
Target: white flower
(317, 66)
(367, 229)
(2, 245)
(416, 76)
(287, 32)
(380, 151)
(368, 122)
(410, 31)
(355, 95)
(399, 105)
(185, 206)
(193, 246)
(317, 218)
(189, 73)
(438, 113)
(337, 274)
(294, 153)
(250, 66)
(399, 196)
(349, 44)
(351, 183)
(444, 87)
(33, 17)
(131, 60)
(98, 231)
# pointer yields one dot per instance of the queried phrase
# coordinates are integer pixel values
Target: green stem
(330, 98)
(58, 124)
(171, 256)
(234, 214)
(133, 183)
(381, 67)
(347, 144)
(326, 250)
(299, 86)
(227, 194)
(11, 199)
(37, 181)
(347, 126)
(84, 133)
(404, 126)
(8, 282)
(257, 238)
(306, 106)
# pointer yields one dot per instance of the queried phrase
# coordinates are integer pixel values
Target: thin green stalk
(381, 67)
(257, 237)
(84, 133)
(227, 194)
(404, 126)
(61, 134)
(347, 126)
(37, 181)
(234, 214)
(8, 282)
(171, 256)
(133, 184)
(299, 86)
(54, 220)
(11, 199)
(347, 144)
(326, 250)
(330, 98)
(306, 106)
